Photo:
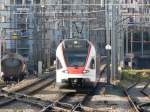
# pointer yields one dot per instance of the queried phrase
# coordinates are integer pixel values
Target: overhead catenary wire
(113, 4)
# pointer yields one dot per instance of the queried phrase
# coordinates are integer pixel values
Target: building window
(131, 20)
(28, 2)
(36, 1)
(131, 10)
(147, 19)
(12, 1)
(18, 1)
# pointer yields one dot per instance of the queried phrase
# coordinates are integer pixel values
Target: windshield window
(76, 60)
(11, 62)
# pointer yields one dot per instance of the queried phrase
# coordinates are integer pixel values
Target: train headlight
(75, 42)
(65, 71)
(85, 71)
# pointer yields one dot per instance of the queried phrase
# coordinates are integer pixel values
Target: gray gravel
(135, 92)
(111, 100)
(19, 107)
(50, 93)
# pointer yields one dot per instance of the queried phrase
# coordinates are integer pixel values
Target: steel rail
(18, 96)
(131, 101)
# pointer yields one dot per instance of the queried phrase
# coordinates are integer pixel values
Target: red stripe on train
(75, 70)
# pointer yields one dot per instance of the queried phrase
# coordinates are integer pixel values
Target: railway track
(138, 97)
(72, 102)
(131, 101)
(69, 101)
(77, 101)
(23, 94)
(2, 86)
(144, 88)
(145, 106)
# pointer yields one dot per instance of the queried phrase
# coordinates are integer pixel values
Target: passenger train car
(13, 67)
(76, 62)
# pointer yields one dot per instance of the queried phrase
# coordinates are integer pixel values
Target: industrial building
(34, 28)
(137, 35)
(17, 27)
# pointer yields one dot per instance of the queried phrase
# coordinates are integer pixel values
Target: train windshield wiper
(76, 66)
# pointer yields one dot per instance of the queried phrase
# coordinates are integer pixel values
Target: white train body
(76, 59)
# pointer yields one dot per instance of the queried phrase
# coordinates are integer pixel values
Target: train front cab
(65, 72)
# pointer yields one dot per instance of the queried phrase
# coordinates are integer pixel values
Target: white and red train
(76, 62)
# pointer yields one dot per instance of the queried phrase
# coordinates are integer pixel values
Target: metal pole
(142, 44)
(122, 49)
(107, 24)
(119, 41)
(71, 22)
(0, 55)
(44, 37)
(16, 46)
(142, 29)
(108, 66)
(89, 22)
(131, 47)
(114, 45)
(127, 41)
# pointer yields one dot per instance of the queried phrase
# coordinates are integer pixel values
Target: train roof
(76, 43)
(12, 55)
(75, 39)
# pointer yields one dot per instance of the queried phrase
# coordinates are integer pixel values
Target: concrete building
(53, 21)
(60, 19)
(137, 38)
(17, 27)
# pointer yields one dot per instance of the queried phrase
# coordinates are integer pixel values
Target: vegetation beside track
(135, 75)
(129, 76)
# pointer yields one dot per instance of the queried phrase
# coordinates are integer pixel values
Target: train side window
(58, 64)
(92, 64)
